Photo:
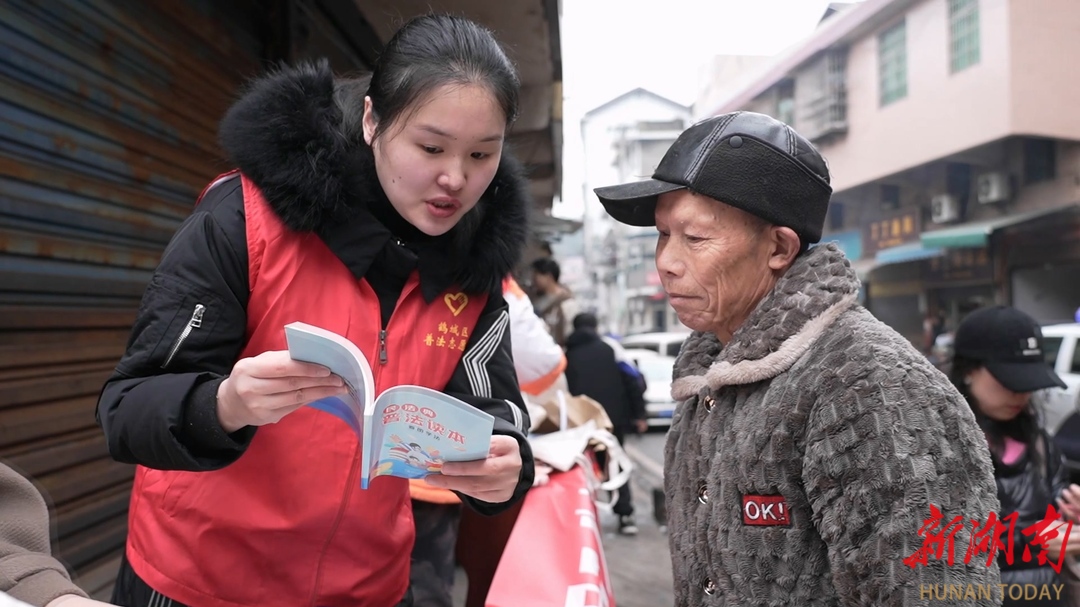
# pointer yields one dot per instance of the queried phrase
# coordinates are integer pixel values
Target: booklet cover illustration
(407, 431)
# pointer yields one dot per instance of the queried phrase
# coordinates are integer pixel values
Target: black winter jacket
(592, 370)
(1027, 487)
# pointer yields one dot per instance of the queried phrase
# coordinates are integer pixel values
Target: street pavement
(640, 566)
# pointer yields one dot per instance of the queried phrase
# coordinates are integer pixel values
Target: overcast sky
(610, 47)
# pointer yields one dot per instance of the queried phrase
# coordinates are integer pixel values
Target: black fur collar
(285, 135)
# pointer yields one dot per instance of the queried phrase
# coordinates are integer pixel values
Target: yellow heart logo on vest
(456, 302)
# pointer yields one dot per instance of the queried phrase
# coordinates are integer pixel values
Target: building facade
(951, 131)
(624, 140)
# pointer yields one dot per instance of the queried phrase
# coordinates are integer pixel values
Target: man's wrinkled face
(713, 261)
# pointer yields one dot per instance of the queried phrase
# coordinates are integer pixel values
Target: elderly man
(811, 441)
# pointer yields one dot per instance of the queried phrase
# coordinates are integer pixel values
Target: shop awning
(547, 227)
(912, 251)
(977, 233)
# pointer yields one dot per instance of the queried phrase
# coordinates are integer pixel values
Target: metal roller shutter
(108, 114)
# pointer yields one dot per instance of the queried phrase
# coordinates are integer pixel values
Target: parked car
(1061, 408)
(657, 370)
(662, 342)
(1062, 351)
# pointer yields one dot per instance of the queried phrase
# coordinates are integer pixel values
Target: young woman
(998, 364)
(381, 212)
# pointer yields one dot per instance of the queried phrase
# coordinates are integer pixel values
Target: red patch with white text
(765, 510)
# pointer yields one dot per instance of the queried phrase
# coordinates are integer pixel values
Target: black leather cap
(747, 160)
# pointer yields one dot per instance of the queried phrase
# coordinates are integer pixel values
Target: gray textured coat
(817, 404)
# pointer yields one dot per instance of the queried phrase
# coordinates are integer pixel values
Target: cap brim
(634, 203)
(1025, 377)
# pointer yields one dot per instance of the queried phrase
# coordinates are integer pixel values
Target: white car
(657, 369)
(1062, 351)
(666, 343)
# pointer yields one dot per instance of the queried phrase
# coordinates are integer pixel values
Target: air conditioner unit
(993, 187)
(944, 208)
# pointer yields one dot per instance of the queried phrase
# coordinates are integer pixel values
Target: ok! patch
(765, 510)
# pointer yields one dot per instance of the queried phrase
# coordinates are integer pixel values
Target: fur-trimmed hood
(814, 292)
(286, 134)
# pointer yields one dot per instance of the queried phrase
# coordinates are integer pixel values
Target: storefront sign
(959, 265)
(891, 231)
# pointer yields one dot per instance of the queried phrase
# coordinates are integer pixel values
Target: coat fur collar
(285, 134)
(814, 292)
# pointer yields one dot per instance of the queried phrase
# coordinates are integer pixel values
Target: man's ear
(369, 121)
(785, 247)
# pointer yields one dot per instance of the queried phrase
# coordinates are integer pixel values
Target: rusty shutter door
(108, 114)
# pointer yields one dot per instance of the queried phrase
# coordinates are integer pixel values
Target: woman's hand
(264, 389)
(1069, 502)
(491, 480)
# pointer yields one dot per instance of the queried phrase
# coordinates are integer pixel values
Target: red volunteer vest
(287, 524)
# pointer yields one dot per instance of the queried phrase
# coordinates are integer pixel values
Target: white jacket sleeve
(536, 355)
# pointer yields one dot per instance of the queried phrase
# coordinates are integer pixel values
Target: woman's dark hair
(1024, 427)
(433, 51)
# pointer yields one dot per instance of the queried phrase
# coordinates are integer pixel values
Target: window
(892, 63)
(890, 197)
(958, 180)
(1075, 368)
(652, 152)
(659, 318)
(963, 34)
(836, 216)
(785, 104)
(1040, 160)
(1051, 346)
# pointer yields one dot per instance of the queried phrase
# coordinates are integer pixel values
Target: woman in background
(998, 364)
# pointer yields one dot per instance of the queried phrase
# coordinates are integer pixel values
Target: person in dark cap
(810, 440)
(592, 369)
(998, 364)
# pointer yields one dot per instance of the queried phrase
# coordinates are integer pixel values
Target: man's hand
(641, 425)
(263, 389)
(491, 480)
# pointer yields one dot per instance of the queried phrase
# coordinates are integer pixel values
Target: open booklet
(407, 431)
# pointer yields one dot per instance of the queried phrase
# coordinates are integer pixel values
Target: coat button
(703, 494)
(710, 403)
(708, 586)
